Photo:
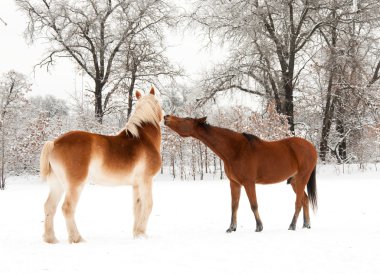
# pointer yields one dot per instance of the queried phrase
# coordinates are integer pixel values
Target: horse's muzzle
(166, 119)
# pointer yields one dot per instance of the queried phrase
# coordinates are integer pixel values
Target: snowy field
(186, 230)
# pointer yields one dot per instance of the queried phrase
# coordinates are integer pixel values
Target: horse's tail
(312, 190)
(45, 167)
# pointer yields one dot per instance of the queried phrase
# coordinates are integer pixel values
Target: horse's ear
(202, 120)
(138, 95)
(152, 91)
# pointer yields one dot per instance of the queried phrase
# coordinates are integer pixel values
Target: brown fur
(249, 160)
(78, 156)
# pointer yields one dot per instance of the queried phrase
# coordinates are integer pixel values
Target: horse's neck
(151, 132)
(220, 140)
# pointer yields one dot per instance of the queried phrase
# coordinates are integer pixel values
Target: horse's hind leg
(143, 203)
(250, 188)
(56, 191)
(305, 206)
(68, 209)
(298, 183)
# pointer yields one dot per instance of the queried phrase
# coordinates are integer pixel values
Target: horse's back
(293, 145)
(112, 160)
(276, 161)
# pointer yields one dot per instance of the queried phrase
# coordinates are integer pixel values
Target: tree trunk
(221, 169)
(193, 161)
(130, 92)
(173, 165)
(2, 171)
(181, 163)
(289, 105)
(98, 103)
(289, 85)
(200, 160)
(327, 119)
(206, 160)
(162, 166)
(215, 169)
(340, 128)
(285, 105)
(328, 112)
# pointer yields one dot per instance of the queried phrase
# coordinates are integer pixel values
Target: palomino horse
(131, 157)
(248, 161)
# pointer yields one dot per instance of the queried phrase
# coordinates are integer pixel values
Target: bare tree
(13, 87)
(351, 52)
(267, 38)
(146, 63)
(97, 35)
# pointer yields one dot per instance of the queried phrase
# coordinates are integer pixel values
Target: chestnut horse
(131, 157)
(249, 160)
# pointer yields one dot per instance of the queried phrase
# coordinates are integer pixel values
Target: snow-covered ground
(186, 230)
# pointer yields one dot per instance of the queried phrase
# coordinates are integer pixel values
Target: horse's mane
(250, 137)
(147, 110)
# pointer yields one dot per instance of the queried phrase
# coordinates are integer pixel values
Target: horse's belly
(115, 177)
(273, 179)
(276, 174)
(110, 180)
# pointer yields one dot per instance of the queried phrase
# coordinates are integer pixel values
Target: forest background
(270, 68)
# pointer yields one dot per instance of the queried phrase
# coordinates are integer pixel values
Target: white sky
(187, 49)
(16, 54)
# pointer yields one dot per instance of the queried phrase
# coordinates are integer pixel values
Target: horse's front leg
(235, 197)
(250, 188)
(143, 203)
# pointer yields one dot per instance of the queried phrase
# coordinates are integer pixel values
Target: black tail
(312, 190)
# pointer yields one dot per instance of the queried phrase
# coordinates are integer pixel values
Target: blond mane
(147, 110)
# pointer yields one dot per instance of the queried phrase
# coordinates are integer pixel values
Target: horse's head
(185, 127)
(149, 104)
(147, 110)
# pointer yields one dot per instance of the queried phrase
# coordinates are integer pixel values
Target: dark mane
(250, 137)
(205, 125)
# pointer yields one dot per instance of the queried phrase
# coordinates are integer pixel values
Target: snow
(187, 229)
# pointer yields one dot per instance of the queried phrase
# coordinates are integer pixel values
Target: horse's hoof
(50, 239)
(292, 227)
(140, 236)
(231, 229)
(259, 228)
(76, 240)
(306, 226)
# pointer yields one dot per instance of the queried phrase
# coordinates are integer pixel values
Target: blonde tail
(44, 160)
